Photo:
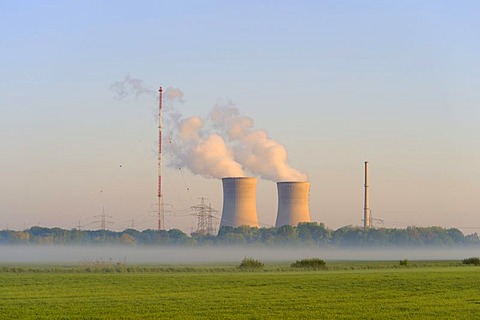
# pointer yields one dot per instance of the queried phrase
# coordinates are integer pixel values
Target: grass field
(428, 291)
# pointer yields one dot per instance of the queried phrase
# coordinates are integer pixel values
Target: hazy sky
(336, 82)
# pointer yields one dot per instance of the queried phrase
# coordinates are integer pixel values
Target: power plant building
(239, 202)
(293, 205)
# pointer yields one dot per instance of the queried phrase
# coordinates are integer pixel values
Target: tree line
(310, 234)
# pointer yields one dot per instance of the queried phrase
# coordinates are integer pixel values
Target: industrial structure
(293, 205)
(367, 217)
(161, 221)
(239, 202)
(205, 215)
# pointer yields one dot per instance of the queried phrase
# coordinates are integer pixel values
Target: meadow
(347, 290)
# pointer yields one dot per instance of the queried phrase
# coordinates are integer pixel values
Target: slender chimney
(367, 219)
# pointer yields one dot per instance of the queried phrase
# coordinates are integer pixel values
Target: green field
(428, 291)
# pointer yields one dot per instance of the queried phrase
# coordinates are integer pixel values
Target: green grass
(431, 291)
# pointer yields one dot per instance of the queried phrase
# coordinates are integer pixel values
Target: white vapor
(223, 144)
(123, 88)
(173, 94)
(253, 148)
(209, 155)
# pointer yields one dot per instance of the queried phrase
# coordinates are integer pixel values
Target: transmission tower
(161, 217)
(79, 227)
(205, 215)
(103, 220)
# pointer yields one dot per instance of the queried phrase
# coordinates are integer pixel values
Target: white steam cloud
(223, 144)
(226, 144)
(207, 155)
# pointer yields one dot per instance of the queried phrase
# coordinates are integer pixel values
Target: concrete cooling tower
(292, 203)
(239, 204)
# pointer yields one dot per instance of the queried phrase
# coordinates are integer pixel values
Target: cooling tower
(292, 203)
(239, 204)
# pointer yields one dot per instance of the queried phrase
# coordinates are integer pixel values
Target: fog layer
(182, 255)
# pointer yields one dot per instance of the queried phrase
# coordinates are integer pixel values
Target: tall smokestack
(239, 204)
(292, 203)
(367, 219)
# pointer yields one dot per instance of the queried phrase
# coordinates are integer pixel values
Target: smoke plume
(174, 94)
(123, 88)
(223, 144)
(206, 155)
(226, 144)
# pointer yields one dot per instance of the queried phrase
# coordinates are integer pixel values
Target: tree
(313, 233)
(287, 235)
(19, 237)
(177, 236)
(127, 239)
(350, 236)
(268, 235)
(456, 235)
(233, 238)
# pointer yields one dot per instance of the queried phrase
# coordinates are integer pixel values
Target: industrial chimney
(239, 204)
(367, 217)
(292, 203)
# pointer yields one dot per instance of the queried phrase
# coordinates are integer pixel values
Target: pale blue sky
(336, 82)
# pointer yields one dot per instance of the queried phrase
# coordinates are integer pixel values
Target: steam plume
(123, 88)
(226, 144)
(253, 148)
(173, 94)
(206, 155)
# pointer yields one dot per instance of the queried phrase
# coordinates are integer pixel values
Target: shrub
(310, 264)
(474, 260)
(102, 265)
(404, 262)
(250, 264)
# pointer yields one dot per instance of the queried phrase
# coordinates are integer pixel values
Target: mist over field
(207, 255)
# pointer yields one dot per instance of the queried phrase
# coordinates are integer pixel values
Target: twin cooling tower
(239, 202)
